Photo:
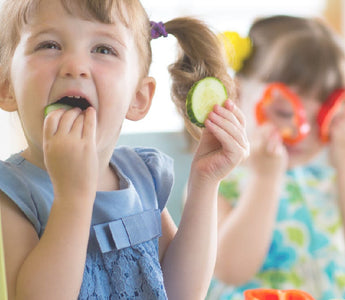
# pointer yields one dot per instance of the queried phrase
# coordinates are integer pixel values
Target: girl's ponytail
(200, 55)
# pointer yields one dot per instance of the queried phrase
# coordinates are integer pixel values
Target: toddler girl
(81, 218)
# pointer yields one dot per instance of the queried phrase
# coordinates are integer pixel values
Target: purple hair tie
(157, 30)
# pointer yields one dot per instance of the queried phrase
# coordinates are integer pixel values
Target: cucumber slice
(201, 98)
(51, 107)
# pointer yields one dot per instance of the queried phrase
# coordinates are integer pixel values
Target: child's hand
(223, 143)
(268, 154)
(69, 145)
(337, 142)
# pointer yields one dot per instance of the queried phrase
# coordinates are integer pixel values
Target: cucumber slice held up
(202, 97)
(51, 107)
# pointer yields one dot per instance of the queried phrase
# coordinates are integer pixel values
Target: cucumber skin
(51, 107)
(189, 103)
(190, 111)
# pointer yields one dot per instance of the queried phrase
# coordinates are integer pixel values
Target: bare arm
(189, 260)
(19, 237)
(38, 269)
(192, 257)
(52, 267)
(245, 233)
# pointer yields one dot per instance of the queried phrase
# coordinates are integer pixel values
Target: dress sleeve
(161, 167)
(17, 190)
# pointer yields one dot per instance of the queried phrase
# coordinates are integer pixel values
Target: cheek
(31, 99)
(115, 90)
(112, 108)
(28, 78)
(312, 143)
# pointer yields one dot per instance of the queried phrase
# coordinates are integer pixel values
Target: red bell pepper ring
(272, 294)
(327, 112)
(300, 121)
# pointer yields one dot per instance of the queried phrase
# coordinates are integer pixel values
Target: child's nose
(74, 66)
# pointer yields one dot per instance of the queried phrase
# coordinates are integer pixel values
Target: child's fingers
(77, 126)
(90, 120)
(230, 105)
(231, 139)
(51, 122)
(231, 113)
(224, 121)
(274, 144)
(231, 143)
(67, 120)
(269, 130)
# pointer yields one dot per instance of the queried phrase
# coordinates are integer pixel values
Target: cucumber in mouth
(67, 103)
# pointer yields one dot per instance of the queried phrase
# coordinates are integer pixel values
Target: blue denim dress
(122, 259)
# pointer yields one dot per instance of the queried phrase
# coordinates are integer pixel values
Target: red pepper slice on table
(299, 118)
(272, 294)
(327, 112)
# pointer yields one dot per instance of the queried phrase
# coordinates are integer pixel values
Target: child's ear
(7, 100)
(142, 100)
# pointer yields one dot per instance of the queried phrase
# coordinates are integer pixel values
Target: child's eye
(104, 49)
(48, 45)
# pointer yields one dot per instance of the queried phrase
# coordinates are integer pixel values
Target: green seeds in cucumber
(202, 97)
(51, 107)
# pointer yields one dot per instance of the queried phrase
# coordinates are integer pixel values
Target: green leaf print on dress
(294, 191)
(277, 279)
(296, 235)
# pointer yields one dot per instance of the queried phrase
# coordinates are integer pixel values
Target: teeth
(74, 101)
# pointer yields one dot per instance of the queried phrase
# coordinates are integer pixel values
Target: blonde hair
(302, 52)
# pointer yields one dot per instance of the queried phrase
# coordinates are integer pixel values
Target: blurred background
(162, 127)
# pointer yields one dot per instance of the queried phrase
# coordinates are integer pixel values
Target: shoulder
(12, 180)
(151, 162)
(15, 186)
(151, 156)
(155, 160)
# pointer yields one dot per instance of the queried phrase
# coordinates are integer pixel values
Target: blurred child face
(281, 113)
(64, 55)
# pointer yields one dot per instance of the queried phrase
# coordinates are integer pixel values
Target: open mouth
(74, 101)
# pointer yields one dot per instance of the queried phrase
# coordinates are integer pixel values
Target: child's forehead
(55, 17)
(88, 10)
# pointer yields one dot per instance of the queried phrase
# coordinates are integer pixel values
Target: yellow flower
(237, 48)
